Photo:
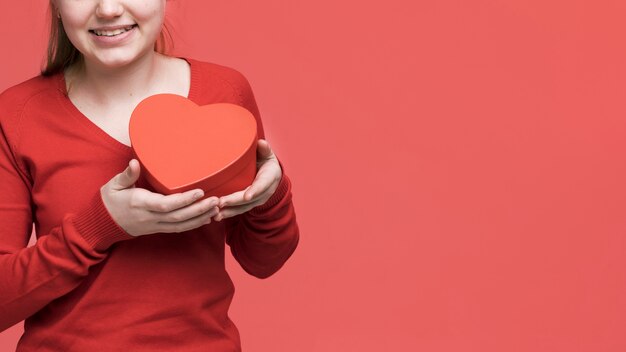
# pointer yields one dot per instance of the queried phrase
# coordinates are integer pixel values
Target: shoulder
(16, 97)
(29, 87)
(30, 96)
(226, 74)
(229, 85)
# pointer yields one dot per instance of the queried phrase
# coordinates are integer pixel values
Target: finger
(233, 199)
(259, 186)
(191, 211)
(165, 203)
(264, 150)
(128, 177)
(182, 226)
(232, 211)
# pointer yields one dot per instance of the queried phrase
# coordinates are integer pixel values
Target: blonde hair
(62, 53)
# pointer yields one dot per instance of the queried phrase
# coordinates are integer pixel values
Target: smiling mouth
(112, 33)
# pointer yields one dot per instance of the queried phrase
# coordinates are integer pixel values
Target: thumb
(128, 177)
(264, 150)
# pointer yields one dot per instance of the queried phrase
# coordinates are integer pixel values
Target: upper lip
(111, 28)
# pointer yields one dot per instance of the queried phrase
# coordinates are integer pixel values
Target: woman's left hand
(264, 185)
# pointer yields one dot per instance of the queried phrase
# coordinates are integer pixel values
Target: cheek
(150, 13)
(74, 33)
(150, 8)
(75, 20)
(153, 22)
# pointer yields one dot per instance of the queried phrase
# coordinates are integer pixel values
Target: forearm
(262, 239)
(32, 277)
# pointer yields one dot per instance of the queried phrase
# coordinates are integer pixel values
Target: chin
(114, 60)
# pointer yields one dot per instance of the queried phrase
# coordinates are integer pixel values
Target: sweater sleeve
(31, 277)
(262, 239)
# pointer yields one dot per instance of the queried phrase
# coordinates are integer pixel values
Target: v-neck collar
(105, 137)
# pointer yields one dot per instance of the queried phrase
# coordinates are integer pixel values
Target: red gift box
(182, 146)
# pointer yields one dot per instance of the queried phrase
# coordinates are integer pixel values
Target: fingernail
(197, 195)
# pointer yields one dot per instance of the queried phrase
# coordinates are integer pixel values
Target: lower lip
(116, 39)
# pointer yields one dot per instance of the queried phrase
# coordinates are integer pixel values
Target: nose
(109, 8)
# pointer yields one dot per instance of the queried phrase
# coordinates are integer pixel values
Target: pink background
(458, 167)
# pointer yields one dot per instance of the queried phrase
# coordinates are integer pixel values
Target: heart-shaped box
(182, 146)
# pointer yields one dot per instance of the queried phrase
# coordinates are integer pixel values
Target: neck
(114, 84)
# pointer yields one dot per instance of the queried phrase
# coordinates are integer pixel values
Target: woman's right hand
(141, 212)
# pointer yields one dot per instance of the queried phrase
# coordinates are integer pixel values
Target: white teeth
(112, 33)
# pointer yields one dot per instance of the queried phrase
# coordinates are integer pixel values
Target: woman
(116, 266)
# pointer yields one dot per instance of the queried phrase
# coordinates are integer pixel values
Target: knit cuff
(281, 191)
(97, 226)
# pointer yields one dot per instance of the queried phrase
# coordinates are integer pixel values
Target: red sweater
(87, 285)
